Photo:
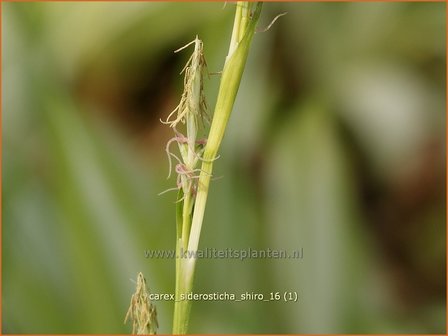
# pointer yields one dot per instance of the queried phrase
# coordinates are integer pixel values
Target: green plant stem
(246, 16)
(231, 78)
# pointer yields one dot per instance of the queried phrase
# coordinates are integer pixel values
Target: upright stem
(230, 81)
(246, 16)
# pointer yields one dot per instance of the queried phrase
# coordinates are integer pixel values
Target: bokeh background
(336, 144)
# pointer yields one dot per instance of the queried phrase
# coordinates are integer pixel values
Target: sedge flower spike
(192, 102)
(191, 108)
(141, 311)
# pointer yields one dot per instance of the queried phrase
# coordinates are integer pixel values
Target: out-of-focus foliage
(336, 145)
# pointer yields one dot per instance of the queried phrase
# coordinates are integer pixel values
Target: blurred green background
(336, 144)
